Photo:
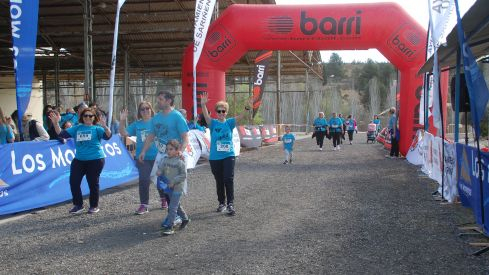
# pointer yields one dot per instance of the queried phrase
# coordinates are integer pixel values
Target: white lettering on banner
(57, 159)
(16, 53)
(467, 190)
(3, 193)
(29, 163)
(259, 76)
(15, 171)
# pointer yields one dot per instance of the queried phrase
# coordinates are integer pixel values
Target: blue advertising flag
(478, 93)
(24, 33)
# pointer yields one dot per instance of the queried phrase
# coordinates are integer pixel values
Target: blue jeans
(174, 209)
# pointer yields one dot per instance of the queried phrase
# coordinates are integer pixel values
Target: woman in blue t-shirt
(336, 129)
(6, 132)
(320, 129)
(222, 156)
(350, 127)
(89, 157)
(141, 129)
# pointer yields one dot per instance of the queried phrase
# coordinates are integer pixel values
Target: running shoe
(285, 162)
(77, 209)
(93, 210)
(221, 208)
(231, 211)
(320, 149)
(165, 231)
(143, 209)
(290, 161)
(184, 224)
(177, 221)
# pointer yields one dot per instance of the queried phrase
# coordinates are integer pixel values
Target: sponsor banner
(203, 16)
(249, 136)
(476, 84)
(236, 142)
(36, 174)
(113, 61)
(193, 151)
(23, 16)
(261, 74)
(450, 192)
(415, 153)
(269, 133)
(427, 154)
(469, 184)
(436, 159)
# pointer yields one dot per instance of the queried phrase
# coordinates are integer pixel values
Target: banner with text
(262, 62)
(469, 184)
(24, 34)
(36, 174)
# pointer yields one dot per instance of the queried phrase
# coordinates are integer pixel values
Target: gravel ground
(346, 212)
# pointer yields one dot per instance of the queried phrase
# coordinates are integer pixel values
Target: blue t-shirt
(141, 130)
(222, 139)
(377, 121)
(336, 124)
(166, 127)
(288, 140)
(392, 122)
(320, 124)
(350, 125)
(6, 132)
(87, 141)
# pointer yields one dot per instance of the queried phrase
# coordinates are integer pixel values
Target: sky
(418, 9)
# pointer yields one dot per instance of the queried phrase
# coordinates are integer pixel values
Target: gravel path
(346, 212)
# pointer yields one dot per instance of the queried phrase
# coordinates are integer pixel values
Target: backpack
(33, 133)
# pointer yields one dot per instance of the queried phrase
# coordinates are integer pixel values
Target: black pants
(394, 147)
(223, 171)
(320, 138)
(90, 168)
(350, 135)
(336, 138)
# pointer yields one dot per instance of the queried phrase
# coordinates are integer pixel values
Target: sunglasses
(144, 109)
(90, 116)
(221, 111)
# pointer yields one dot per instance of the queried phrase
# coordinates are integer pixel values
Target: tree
(333, 68)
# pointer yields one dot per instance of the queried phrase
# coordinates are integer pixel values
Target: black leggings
(90, 168)
(350, 135)
(336, 138)
(320, 138)
(223, 171)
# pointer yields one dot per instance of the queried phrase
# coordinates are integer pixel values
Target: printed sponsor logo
(331, 25)
(405, 42)
(219, 43)
(280, 24)
(3, 189)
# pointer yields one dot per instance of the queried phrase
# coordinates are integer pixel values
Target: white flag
(203, 15)
(113, 61)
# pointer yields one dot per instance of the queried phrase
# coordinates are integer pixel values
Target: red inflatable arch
(384, 26)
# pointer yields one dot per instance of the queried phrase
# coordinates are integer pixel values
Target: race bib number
(223, 146)
(144, 134)
(84, 136)
(334, 126)
(287, 140)
(161, 147)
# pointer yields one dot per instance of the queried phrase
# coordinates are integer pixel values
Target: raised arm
(203, 104)
(122, 122)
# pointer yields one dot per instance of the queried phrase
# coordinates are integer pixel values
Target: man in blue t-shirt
(168, 124)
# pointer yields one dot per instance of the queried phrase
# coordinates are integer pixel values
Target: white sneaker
(320, 149)
(339, 148)
(334, 148)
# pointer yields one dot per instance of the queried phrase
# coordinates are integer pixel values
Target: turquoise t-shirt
(320, 123)
(350, 125)
(166, 127)
(392, 121)
(6, 132)
(288, 140)
(87, 141)
(141, 130)
(336, 124)
(222, 139)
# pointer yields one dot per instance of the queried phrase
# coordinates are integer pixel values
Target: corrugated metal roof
(155, 32)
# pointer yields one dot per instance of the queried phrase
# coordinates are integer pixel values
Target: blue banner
(24, 34)
(36, 174)
(468, 182)
(476, 84)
